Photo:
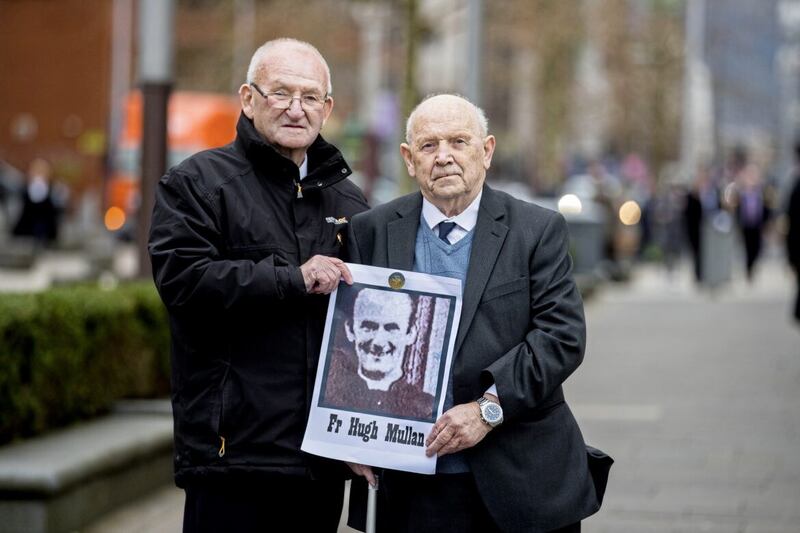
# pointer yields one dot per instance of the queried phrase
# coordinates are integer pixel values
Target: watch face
(492, 412)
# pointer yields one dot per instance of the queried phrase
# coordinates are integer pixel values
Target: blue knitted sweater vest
(434, 256)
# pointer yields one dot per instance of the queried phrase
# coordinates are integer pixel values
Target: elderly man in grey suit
(510, 454)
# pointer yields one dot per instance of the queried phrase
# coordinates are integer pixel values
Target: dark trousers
(279, 503)
(797, 298)
(435, 504)
(752, 247)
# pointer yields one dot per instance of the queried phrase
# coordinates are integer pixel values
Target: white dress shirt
(304, 169)
(465, 220)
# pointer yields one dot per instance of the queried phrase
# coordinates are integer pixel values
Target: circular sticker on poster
(396, 280)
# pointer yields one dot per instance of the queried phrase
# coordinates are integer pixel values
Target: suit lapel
(402, 234)
(490, 233)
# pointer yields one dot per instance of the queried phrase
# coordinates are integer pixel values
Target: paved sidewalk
(161, 512)
(696, 396)
(694, 393)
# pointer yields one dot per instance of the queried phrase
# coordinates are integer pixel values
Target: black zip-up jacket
(230, 228)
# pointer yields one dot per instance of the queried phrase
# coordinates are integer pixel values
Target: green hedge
(68, 353)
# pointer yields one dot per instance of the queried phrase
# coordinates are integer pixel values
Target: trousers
(266, 504)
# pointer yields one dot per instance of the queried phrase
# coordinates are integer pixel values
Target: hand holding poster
(383, 368)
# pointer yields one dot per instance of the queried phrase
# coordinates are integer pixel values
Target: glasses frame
(266, 94)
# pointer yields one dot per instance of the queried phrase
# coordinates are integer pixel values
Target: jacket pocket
(222, 405)
(508, 287)
(331, 240)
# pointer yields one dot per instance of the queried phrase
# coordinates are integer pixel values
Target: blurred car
(584, 219)
(195, 121)
(620, 208)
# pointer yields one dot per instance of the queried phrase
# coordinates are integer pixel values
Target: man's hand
(457, 429)
(363, 471)
(321, 274)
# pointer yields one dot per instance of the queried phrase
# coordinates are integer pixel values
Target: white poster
(383, 368)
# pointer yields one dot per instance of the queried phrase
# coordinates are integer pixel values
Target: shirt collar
(466, 219)
(304, 168)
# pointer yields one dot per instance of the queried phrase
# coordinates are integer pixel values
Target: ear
(327, 108)
(348, 331)
(405, 151)
(246, 98)
(488, 151)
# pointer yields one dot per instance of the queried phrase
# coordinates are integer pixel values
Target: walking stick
(372, 505)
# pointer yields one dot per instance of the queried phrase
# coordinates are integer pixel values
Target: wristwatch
(491, 412)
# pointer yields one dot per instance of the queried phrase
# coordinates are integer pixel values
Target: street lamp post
(156, 26)
(474, 49)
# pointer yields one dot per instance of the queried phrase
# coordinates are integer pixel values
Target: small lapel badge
(396, 280)
(336, 221)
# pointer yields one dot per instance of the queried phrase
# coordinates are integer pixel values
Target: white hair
(480, 116)
(261, 53)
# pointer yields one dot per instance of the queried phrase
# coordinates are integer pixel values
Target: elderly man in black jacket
(244, 244)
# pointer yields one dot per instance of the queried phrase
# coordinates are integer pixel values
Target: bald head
(454, 102)
(281, 46)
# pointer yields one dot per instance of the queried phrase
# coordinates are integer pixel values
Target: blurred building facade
(56, 63)
(563, 83)
(741, 45)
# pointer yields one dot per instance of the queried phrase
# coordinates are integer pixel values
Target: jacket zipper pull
(221, 452)
(299, 189)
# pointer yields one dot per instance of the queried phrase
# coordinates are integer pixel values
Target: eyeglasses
(283, 100)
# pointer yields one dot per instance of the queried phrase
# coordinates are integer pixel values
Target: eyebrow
(302, 87)
(457, 134)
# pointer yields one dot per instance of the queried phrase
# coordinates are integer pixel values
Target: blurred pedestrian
(245, 244)
(607, 191)
(702, 203)
(793, 235)
(752, 213)
(668, 208)
(39, 216)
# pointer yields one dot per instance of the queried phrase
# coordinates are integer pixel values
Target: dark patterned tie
(444, 230)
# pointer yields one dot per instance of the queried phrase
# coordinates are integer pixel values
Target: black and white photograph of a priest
(368, 368)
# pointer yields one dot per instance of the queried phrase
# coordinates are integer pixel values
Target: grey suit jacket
(522, 328)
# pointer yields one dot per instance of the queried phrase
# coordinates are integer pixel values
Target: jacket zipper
(221, 418)
(221, 451)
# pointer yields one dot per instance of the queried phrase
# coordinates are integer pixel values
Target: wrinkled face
(447, 154)
(380, 331)
(297, 71)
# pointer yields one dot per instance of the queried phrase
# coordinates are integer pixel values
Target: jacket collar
(490, 233)
(326, 165)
